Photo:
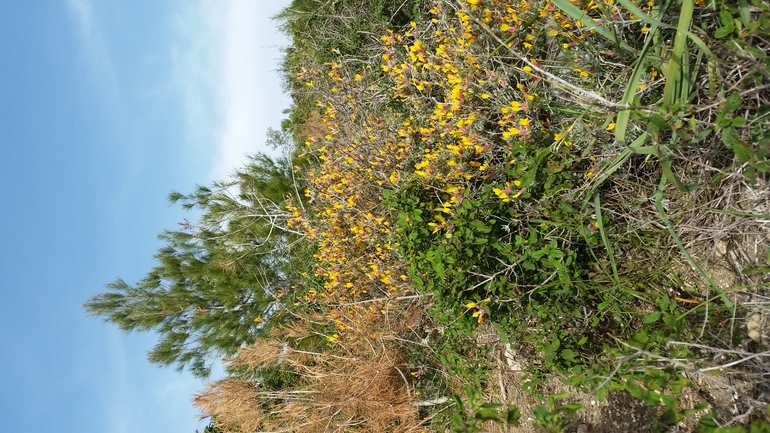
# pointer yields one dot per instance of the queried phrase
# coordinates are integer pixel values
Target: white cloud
(226, 59)
(250, 88)
(196, 61)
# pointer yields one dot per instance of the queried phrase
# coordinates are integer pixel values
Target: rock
(755, 325)
(721, 248)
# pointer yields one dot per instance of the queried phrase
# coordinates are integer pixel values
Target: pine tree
(218, 283)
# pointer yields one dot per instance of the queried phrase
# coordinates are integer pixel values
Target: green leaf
(513, 415)
(759, 426)
(730, 137)
(733, 102)
(571, 407)
(726, 19)
(739, 121)
(664, 302)
(528, 177)
(723, 121)
(652, 317)
(735, 429)
(743, 9)
(732, 140)
(487, 414)
(568, 354)
(435, 260)
(600, 394)
(480, 227)
(458, 422)
(540, 413)
(722, 32)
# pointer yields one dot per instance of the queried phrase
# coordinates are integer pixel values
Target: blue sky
(105, 107)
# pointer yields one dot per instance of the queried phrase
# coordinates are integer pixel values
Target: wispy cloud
(250, 86)
(226, 67)
(196, 62)
(94, 52)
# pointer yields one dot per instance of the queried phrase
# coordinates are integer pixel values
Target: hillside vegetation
(491, 215)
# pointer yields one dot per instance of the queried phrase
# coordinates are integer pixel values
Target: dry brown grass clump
(359, 385)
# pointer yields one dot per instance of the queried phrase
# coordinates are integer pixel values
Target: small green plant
(555, 417)
(470, 418)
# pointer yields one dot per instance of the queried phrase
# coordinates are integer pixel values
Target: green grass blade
(678, 242)
(743, 8)
(694, 80)
(605, 238)
(684, 88)
(674, 73)
(623, 117)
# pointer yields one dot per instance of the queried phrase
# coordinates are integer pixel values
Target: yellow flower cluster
(506, 194)
(440, 72)
(437, 108)
(356, 158)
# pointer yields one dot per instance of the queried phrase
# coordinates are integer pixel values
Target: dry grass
(363, 386)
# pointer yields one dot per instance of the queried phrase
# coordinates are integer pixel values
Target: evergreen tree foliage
(217, 283)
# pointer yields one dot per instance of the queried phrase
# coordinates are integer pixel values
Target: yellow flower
(471, 305)
(510, 133)
(479, 314)
(582, 72)
(611, 126)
